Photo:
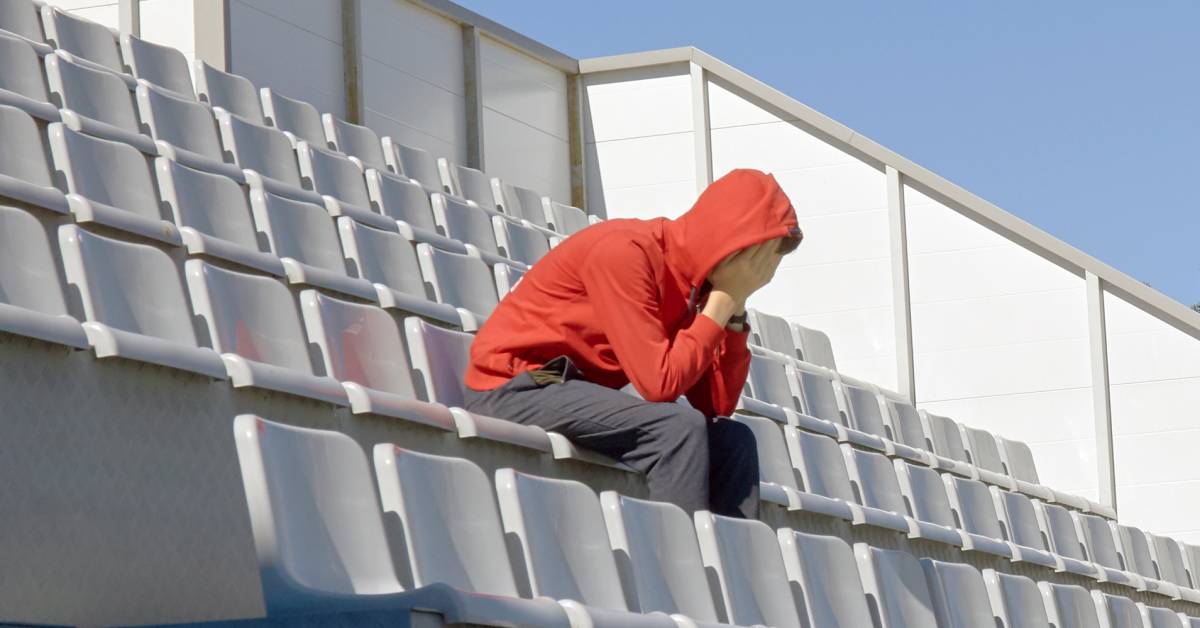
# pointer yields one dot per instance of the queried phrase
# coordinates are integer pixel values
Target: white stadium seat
(265, 156)
(22, 80)
(564, 218)
(1158, 617)
(866, 412)
(163, 66)
(1099, 540)
(296, 117)
(468, 184)
(506, 278)
(232, 93)
(985, 455)
(95, 102)
(26, 170)
(462, 281)
(873, 479)
(823, 570)
(467, 222)
(819, 461)
(975, 511)
(777, 477)
(1117, 612)
(1018, 517)
(414, 163)
(926, 500)
(774, 389)
(960, 599)
(339, 181)
(518, 242)
(20, 18)
(819, 398)
(354, 140)
(1170, 563)
(746, 559)
(1069, 606)
(773, 332)
(183, 130)
(33, 301)
(895, 586)
(943, 434)
(1016, 600)
(1134, 549)
(407, 202)
(520, 202)
(814, 346)
(91, 42)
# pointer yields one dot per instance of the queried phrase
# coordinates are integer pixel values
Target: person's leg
(733, 469)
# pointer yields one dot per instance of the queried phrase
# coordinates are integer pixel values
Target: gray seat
(339, 181)
(133, 302)
(253, 322)
(183, 130)
(975, 512)
(1019, 519)
(265, 156)
(865, 412)
(389, 262)
(1069, 606)
(960, 599)
(468, 223)
(353, 139)
(985, 455)
(1019, 463)
(414, 163)
(1016, 600)
(745, 557)
(823, 570)
(22, 80)
(1117, 612)
(817, 391)
(925, 496)
(1171, 565)
(873, 479)
(1136, 555)
(772, 332)
(559, 527)
(903, 425)
(943, 435)
(564, 218)
(467, 183)
(304, 238)
(26, 171)
(895, 586)
(462, 281)
(93, 44)
(1191, 555)
(20, 18)
(777, 477)
(1100, 541)
(95, 102)
(362, 346)
(407, 202)
(163, 66)
(506, 278)
(231, 92)
(520, 202)
(1059, 529)
(32, 299)
(296, 117)
(819, 461)
(91, 166)
(773, 389)
(1158, 617)
(213, 216)
(814, 346)
(518, 242)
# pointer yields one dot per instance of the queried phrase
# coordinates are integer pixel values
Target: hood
(741, 209)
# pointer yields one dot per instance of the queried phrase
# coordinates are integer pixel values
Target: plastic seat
(94, 44)
(133, 302)
(873, 479)
(814, 346)
(520, 202)
(213, 216)
(819, 461)
(1117, 612)
(564, 218)
(1018, 462)
(95, 102)
(976, 513)
(466, 222)
(26, 171)
(32, 300)
(817, 392)
(407, 202)
(1157, 617)
(823, 571)
(1171, 566)
(352, 139)
(777, 477)
(20, 18)
(339, 181)
(1019, 519)
(462, 281)
(985, 455)
(745, 557)
(183, 130)
(467, 183)
(414, 163)
(265, 156)
(1069, 606)
(773, 384)
(773, 332)
(253, 322)
(926, 499)
(389, 262)
(303, 236)
(231, 92)
(960, 599)
(296, 117)
(506, 278)
(865, 411)
(904, 427)
(517, 242)
(895, 586)
(1063, 537)
(162, 66)
(1099, 540)
(1016, 600)
(91, 166)
(943, 435)
(1134, 549)
(362, 347)
(658, 557)
(22, 80)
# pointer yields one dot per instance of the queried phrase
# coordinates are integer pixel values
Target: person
(657, 303)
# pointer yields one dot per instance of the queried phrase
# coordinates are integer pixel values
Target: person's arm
(717, 391)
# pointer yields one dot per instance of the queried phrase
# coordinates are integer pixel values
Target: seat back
(91, 93)
(1019, 518)
(819, 461)
(465, 222)
(418, 165)
(1135, 549)
(1168, 557)
(773, 463)
(401, 199)
(263, 149)
(656, 544)
(297, 117)
(1069, 606)
(358, 343)
(1018, 460)
(745, 556)
(231, 92)
(521, 203)
(1059, 528)
(973, 507)
(944, 435)
(29, 272)
(21, 17)
(874, 480)
(1016, 600)
(507, 277)
(179, 121)
(210, 203)
(20, 66)
(91, 166)
(565, 218)
(1116, 611)
(1098, 538)
(382, 257)
(25, 157)
(814, 346)
(460, 280)
(983, 450)
(817, 394)
(441, 357)
(823, 570)
(960, 599)
(163, 66)
(80, 36)
(298, 230)
(924, 493)
(353, 139)
(1158, 617)
(471, 184)
(865, 409)
(774, 333)
(518, 242)
(770, 381)
(904, 423)
(330, 174)
(895, 585)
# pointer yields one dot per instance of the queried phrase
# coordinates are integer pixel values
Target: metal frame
(352, 80)
(130, 17)
(901, 298)
(473, 93)
(210, 24)
(701, 127)
(1101, 392)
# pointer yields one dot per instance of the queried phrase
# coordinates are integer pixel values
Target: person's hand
(744, 272)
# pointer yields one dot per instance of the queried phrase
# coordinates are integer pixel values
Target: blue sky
(1082, 118)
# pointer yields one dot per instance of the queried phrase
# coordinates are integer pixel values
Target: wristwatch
(737, 323)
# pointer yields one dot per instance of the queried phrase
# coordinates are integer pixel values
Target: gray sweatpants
(689, 460)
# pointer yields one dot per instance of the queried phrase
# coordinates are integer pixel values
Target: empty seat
(818, 396)
(296, 117)
(22, 80)
(20, 18)
(414, 163)
(745, 557)
(772, 384)
(163, 66)
(1064, 540)
(773, 332)
(134, 302)
(658, 557)
(1019, 463)
(467, 183)
(1134, 549)
(520, 202)
(1117, 612)
(1069, 606)
(1099, 540)
(518, 242)
(564, 218)
(303, 236)
(823, 573)
(463, 281)
(866, 412)
(1016, 600)
(389, 262)
(91, 167)
(1169, 560)
(183, 130)
(777, 478)
(976, 513)
(985, 455)
(32, 300)
(253, 322)
(927, 501)
(213, 215)
(231, 92)
(26, 172)
(960, 599)
(265, 155)
(873, 479)
(93, 43)
(353, 139)
(407, 202)
(903, 425)
(95, 102)
(895, 587)
(339, 181)
(507, 278)
(1019, 519)
(466, 222)
(943, 435)
(818, 460)
(362, 347)
(814, 346)
(1157, 617)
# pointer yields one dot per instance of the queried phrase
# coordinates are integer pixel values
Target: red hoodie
(620, 299)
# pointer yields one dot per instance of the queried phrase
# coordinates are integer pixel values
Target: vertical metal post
(901, 299)
(130, 17)
(352, 61)
(473, 88)
(700, 127)
(1101, 396)
(213, 41)
(575, 138)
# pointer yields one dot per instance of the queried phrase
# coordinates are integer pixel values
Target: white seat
(960, 599)
(414, 163)
(1135, 552)
(819, 461)
(253, 322)
(823, 570)
(95, 102)
(339, 181)
(518, 242)
(91, 165)
(1018, 462)
(1100, 542)
(213, 216)
(927, 501)
(164, 66)
(1058, 527)
(389, 262)
(362, 347)
(20, 18)
(983, 452)
(559, 526)
(1170, 563)
(520, 202)
(94, 44)
(303, 236)
(296, 117)
(468, 184)
(745, 557)
(777, 477)
(462, 281)
(903, 425)
(943, 435)
(265, 156)
(1191, 555)
(22, 79)
(814, 346)
(133, 302)
(873, 479)
(772, 332)
(975, 511)
(356, 140)
(774, 382)
(895, 587)
(1157, 617)
(865, 411)
(231, 92)
(407, 202)
(1069, 606)
(26, 172)
(183, 130)
(466, 222)
(817, 391)
(1016, 600)
(1117, 612)
(506, 277)
(32, 299)
(564, 218)
(1019, 519)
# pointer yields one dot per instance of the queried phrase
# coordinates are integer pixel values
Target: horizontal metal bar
(502, 33)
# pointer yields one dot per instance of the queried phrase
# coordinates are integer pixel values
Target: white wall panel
(637, 103)
(170, 23)
(521, 154)
(108, 14)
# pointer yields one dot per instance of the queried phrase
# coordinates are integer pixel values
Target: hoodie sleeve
(621, 285)
(717, 391)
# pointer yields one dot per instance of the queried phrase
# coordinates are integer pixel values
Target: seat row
(433, 538)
